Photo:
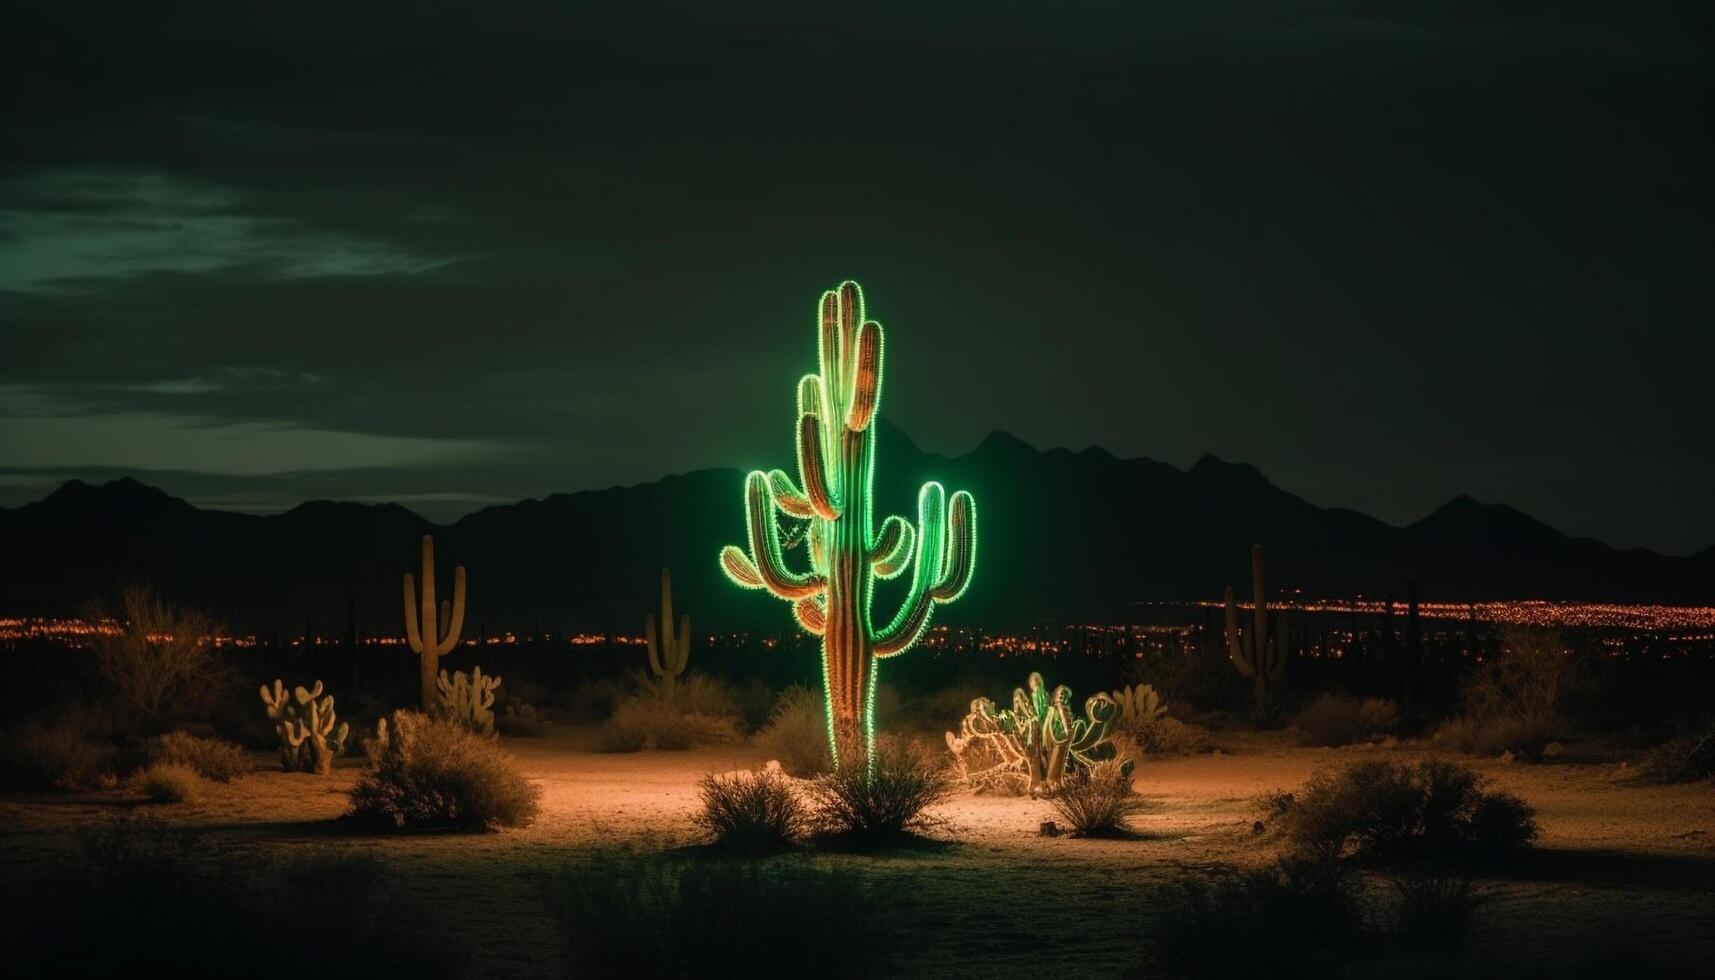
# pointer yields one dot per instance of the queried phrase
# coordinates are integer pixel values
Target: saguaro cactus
(438, 630)
(1036, 743)
(669, 652)
(1257, 655)
(846, 551)
(309, 738)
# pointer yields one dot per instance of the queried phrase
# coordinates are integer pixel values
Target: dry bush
(797, 734)
(594, 700)
(755, 702)
(159, 664)
(59, 756)
(1097, 803)
(1170, 736)
(1435, 911)
(1376, 809)
(210, 757)
(1292, 918)
(650, 916)
(520, 719)
(1340, 719)
(648, 721)
(436, 775)
(146, 898)
(755, 811)
(884, 801)
(170, 782)
(1681, 760)
(1514, 703)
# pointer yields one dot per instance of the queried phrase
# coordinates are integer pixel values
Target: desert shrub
(158, 663)
(518, 718)
(886, 800)
(751, 810)
(1514, 702)
(1096, 803)
(1435, 910)
(432, 774)
(1681, 760)
(1379, 809)
(57, 756)
(210, 757)
(649, 721)
(755, 703)
(594, 700)
(1292, 917)
(170, 782)
(797, 733)
(1170, 736)
(1340, 719)
(163, 903)
(649, 916)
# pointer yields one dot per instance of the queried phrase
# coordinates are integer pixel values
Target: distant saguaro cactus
(1257, 655)
(438, 632)
(847, 553)
(669, 652)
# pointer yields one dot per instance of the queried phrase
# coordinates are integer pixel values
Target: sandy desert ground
(1623, 877)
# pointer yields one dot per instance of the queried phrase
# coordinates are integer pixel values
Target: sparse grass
(1435, 911)
(752, 811)
(1375, 809)
(151, 899)
(170, 782)
(1493, 734)
(210, 757)
(1098, 803)
(1514, 702)
(1340, 719)
(886, 802)
(797, 734)
(434, 775)
(1292, 918)
(649, 916)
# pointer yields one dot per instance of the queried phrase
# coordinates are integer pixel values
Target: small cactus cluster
(1257, 655)
(669, 651)
(1140, 707)
(468, 700)
(1036, 744)
(310, 735)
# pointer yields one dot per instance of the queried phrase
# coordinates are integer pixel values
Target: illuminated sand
(1619, 861)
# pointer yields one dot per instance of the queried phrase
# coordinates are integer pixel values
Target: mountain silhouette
(1063, 535)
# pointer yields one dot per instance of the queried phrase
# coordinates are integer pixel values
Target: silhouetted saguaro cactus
(438, 631)
(847, 553)
(1257, 655)
(669, 652)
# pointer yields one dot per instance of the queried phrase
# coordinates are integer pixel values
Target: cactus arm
(411, 634)
(810, 615)
(739, 568)
(945, 560)
(865, 392)
(812, 469)
(765, 556)
(683, 654)
(430, 610)
(787, 496)
(891, 550)
(455, 626)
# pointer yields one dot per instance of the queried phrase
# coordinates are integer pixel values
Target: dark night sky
(1387, 252)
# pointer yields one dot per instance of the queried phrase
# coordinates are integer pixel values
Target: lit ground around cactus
(1620, 865)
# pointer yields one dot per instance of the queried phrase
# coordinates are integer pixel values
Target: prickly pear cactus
(1140, 707)
(311, 736)
(467, 700)
(1036, 744)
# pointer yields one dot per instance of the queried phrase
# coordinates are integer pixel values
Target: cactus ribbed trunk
(848, 661)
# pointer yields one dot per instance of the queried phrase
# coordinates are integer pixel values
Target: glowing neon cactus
(669, 651)
(439, 630)
(1037, 743)
(847, 552)
(1257, 655)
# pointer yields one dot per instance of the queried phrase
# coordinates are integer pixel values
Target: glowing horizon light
(836, 470)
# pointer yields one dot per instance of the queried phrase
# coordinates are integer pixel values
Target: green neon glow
(835, 444)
